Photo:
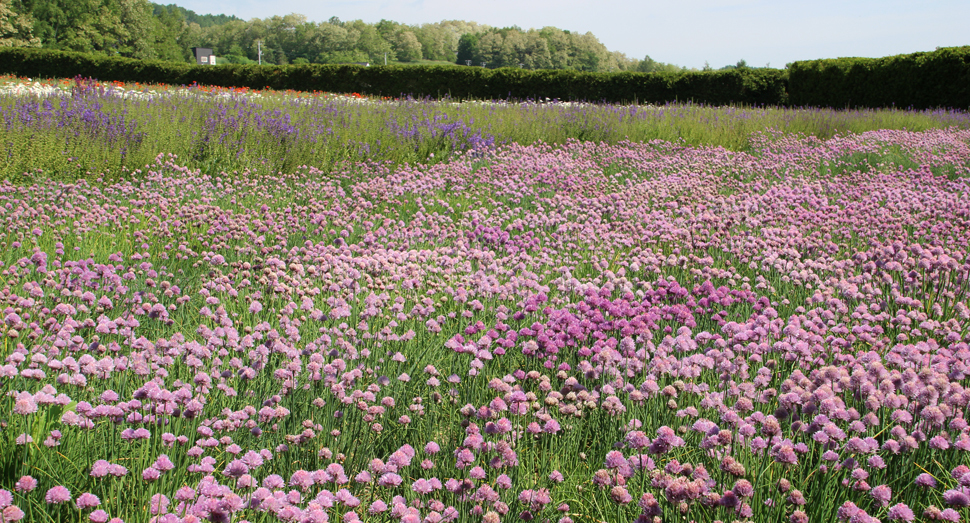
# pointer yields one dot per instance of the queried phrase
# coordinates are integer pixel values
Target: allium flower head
(25, 484)
(956, 498)
(57, 495)
(614, 459)
(743, 488)
(12, 513)
(925, 480)
(87, 500)
(620, 495)
(900, 512)
(882, 494)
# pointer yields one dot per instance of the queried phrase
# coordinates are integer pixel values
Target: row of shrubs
(921, 80)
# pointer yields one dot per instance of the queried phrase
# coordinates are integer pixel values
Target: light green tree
(16, 29)
(406, 46)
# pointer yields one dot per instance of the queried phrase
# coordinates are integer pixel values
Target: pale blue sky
(687, 32)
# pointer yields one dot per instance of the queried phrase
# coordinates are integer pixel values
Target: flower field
(570, 331)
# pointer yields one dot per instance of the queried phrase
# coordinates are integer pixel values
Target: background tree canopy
(141, 29)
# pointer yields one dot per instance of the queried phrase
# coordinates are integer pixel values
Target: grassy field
(622, 328)
(116, 128)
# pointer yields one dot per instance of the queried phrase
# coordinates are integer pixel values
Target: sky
(688, 33)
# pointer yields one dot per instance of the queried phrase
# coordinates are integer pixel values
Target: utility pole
(259, 51)
(385, 57)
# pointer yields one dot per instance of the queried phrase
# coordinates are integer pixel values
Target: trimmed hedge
(743, 86)
(920, 81)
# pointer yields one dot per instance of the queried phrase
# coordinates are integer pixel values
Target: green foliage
(191, 17)
(750, 86)
(145, 30)
(920, 80)
(548, 48)
(16, 29)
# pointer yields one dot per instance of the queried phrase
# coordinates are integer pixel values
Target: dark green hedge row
(920, 81)
(744, 86)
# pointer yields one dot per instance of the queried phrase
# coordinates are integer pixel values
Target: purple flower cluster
(646, 326)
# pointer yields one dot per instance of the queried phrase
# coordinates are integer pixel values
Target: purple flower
(344, 496)
(185, 493)
(377, 507)
(743, 488)
(236, 468)
(87, 500)
(389, 479)
(302, 479)
(925, 480)
(785, 453)
(163, 464)
(551, 427)
(422, 486)
(273, 481)
(25, 484)
(98, 516)
(503, 482)
(57, 495)
(847, 511)
(150, 474)
(881, 494)
(12, 513)
(614, 459)
(620, 495)
(956, 498)
(6, 498)
(900, 512)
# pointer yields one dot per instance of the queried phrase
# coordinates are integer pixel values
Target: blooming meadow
(582, 331)
(81, 128)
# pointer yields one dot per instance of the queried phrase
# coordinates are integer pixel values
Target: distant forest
(145, 30)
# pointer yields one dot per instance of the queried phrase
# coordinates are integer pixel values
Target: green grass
(71, 138)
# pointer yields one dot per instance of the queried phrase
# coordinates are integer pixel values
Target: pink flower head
(377, 507)
(87, 500)
(57, 495)
(901, 512)
(12, 513)
(150, 474)
(881, 494)
(163, 464)
(185, 493)
(25, 484)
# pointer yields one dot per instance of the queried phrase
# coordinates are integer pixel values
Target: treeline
(144, 30)
(548, 48)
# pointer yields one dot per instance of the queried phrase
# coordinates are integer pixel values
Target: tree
(647, 65)
(169, 28)
(467, 48)
(16, 29)
(370, 42)
(406, 46)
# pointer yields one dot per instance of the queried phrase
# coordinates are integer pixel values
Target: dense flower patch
(587, 332)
